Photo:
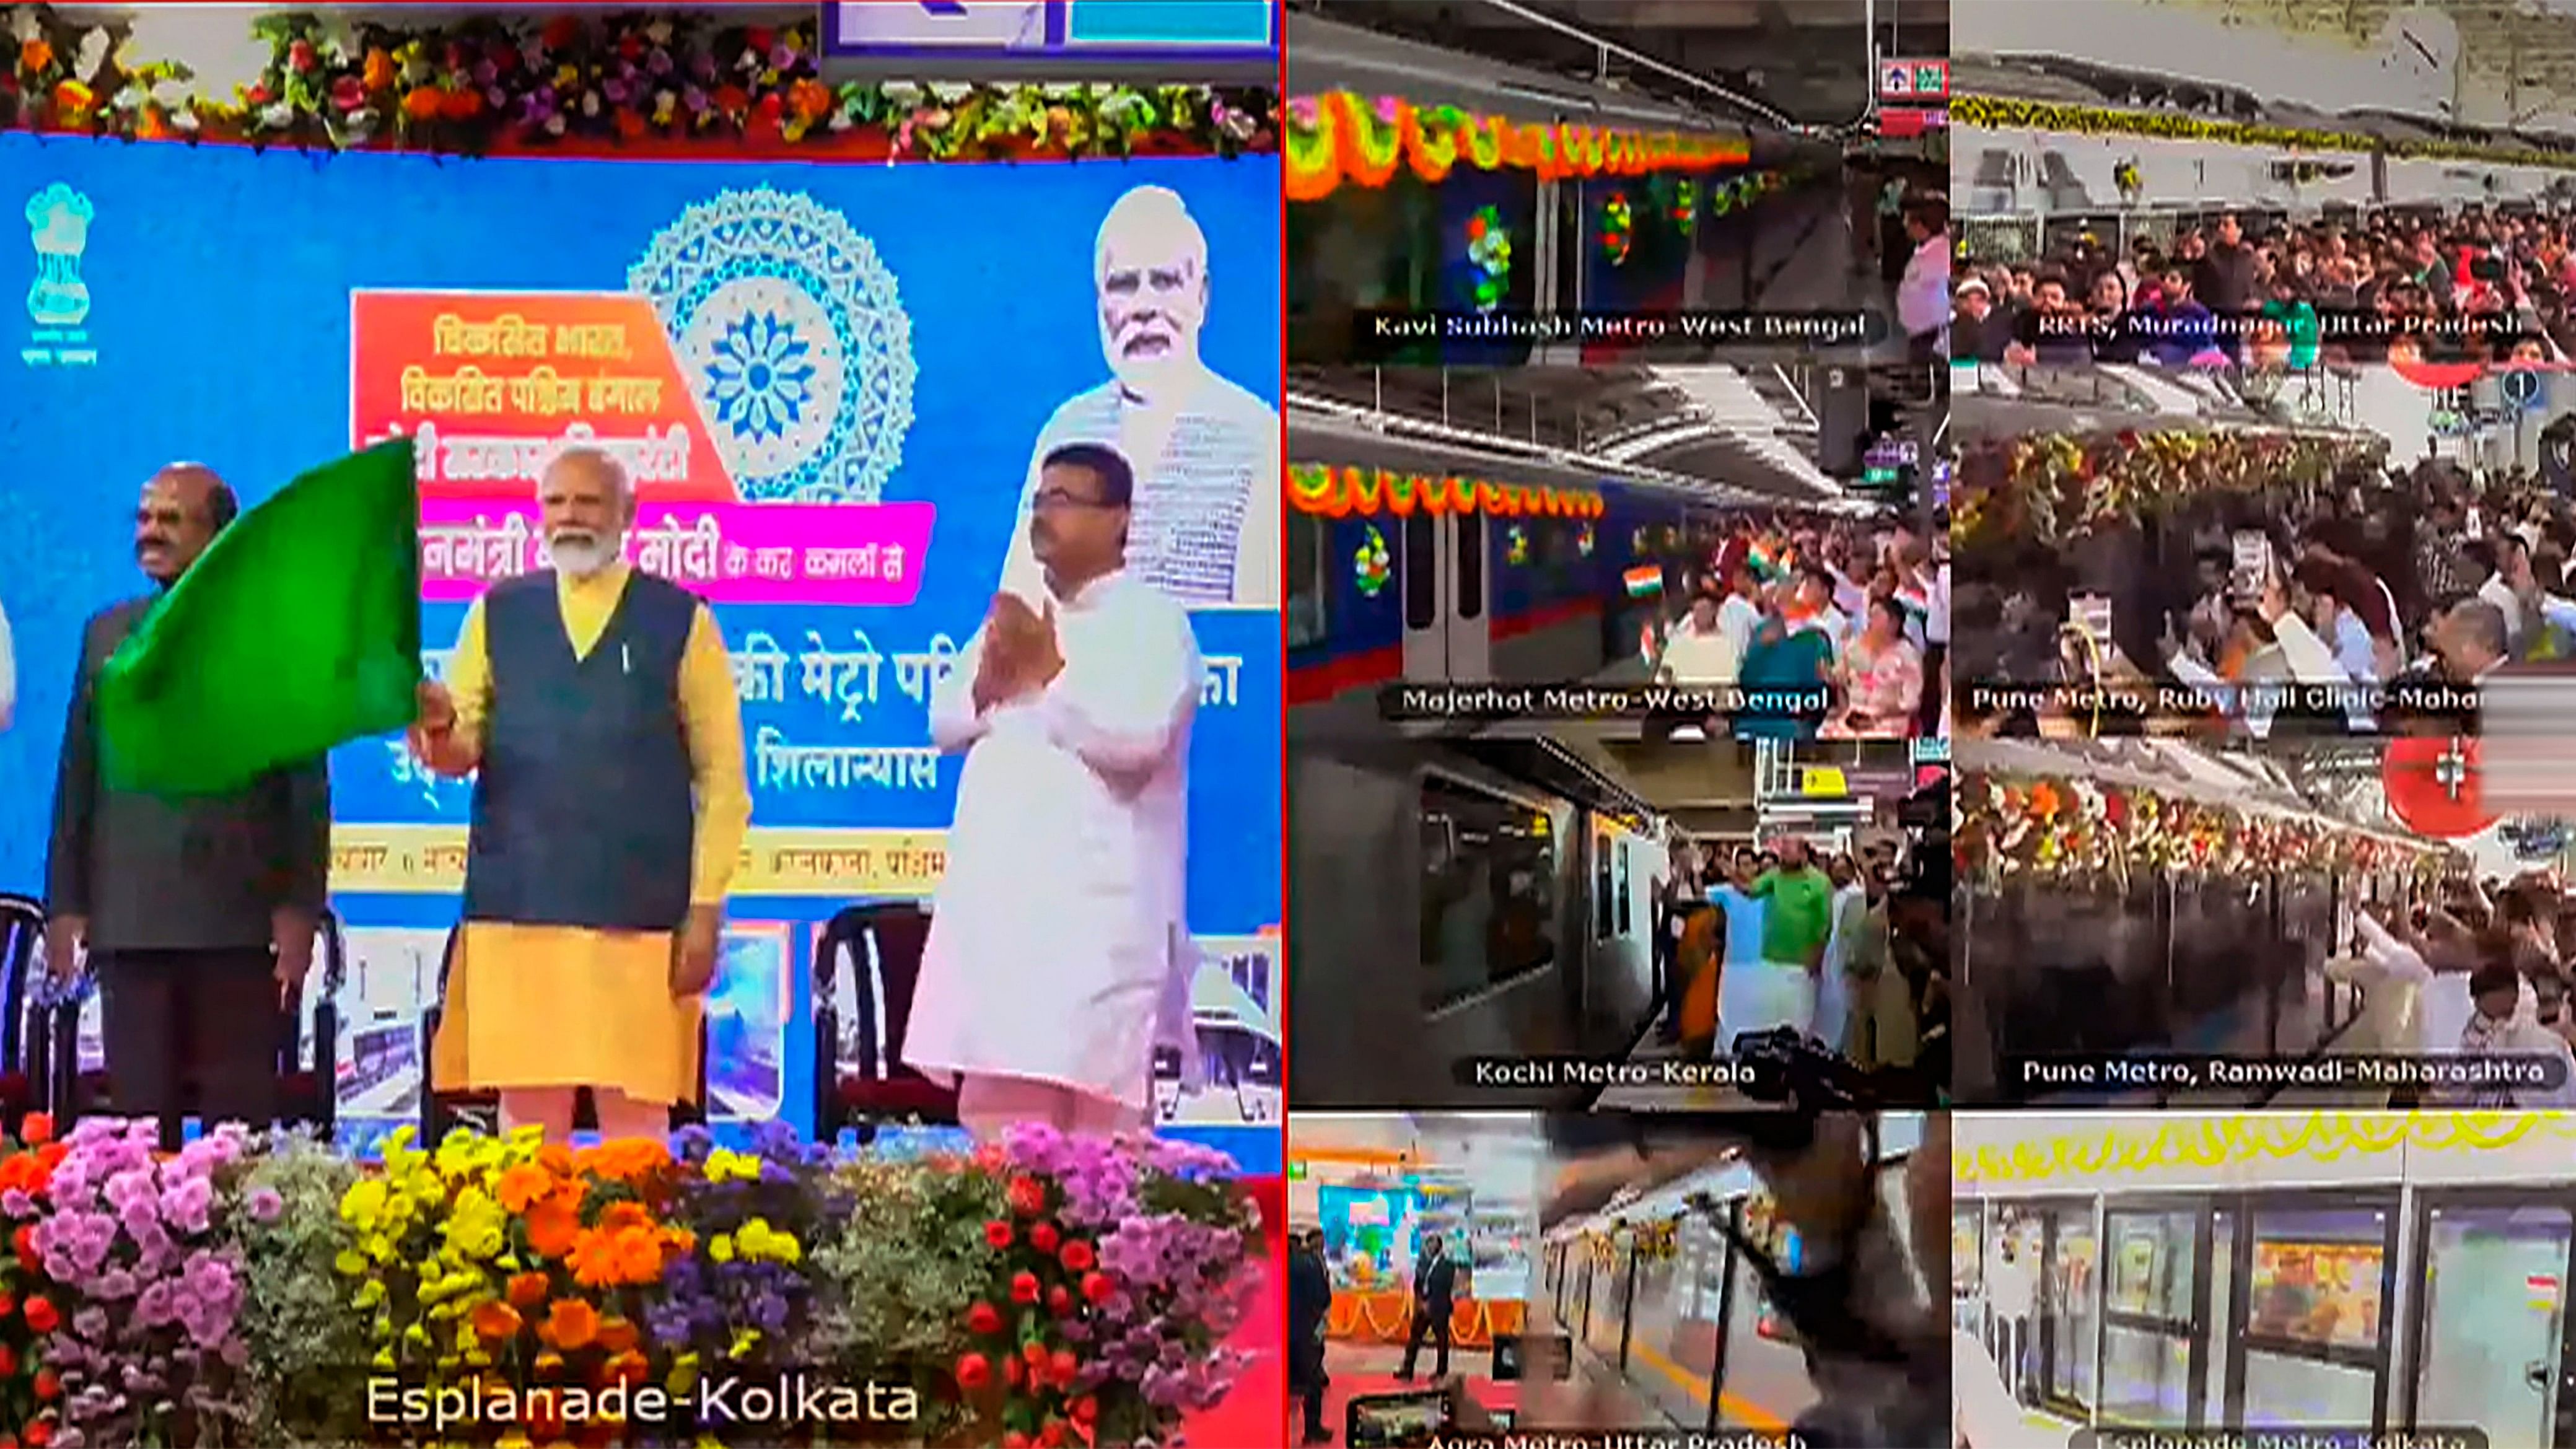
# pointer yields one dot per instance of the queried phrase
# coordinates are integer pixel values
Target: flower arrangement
(2065, 829)
(2003, 113)
(638, 79)
(1339, 492)
(1048, 1290)
(148, 1330)
(2050, 487)
(1345, 139)
(1618, 235)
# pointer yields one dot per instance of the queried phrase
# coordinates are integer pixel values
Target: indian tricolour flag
(1645, 581)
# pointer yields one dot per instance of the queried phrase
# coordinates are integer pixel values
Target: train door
(2493, 1346)
(1447, 622)
(2311, 1303)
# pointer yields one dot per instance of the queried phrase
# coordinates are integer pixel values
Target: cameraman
(1861, 1305)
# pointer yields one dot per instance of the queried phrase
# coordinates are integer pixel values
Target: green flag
(298, 630)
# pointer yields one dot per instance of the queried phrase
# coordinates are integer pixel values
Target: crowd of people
(2488, 973)
(2434, 575)
(2243, 289)
(1849, 949)
(1853, 613)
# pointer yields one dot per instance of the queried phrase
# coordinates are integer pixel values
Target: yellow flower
(350, 1262)
(363, 1206)
(384, 1358)
(370, 1293)
(720, 1248)
(477, 1228)
(728, 1166)
(761, 1243)
(683, 1376)
(744, 1341)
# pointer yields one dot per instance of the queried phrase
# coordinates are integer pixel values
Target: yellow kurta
(561, 1006)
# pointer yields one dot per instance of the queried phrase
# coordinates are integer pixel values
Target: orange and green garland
(1342, 139)
(2051, 487)
(1340, 492)
(2075, 829)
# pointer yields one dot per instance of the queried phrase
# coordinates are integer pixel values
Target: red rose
(1015, 1440)
(1036, 1354)
(39, 1434)
(1028, 1196)
(1011, 1372)
(300, 56)
(49, 1385)
(1024, 1288)
(760, 39)
(983, 1318)
(1078, 1257)
(41, 1316)
(1085, 1409)
(1052, 1436)
(998, 1234)
(1097, 1287)
(974, 1371)
(8, 1303)
(8, 1362)
(771, 107)
(1058, 1300)
(23, 1243)
(1044, 1237)
(1062, 1368)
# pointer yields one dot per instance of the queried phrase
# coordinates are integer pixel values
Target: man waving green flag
(296, 631)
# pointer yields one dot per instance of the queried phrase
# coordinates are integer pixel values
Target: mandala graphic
(793, 335)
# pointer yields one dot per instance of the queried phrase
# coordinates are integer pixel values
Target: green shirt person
(1801, 915)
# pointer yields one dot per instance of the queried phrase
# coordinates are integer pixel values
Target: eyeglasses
(1056, 501)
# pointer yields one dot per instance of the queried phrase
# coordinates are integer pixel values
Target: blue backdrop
(219, 283)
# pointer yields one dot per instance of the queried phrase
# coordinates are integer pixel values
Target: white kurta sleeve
(955, 723)
(1125, 710)
(8, 675)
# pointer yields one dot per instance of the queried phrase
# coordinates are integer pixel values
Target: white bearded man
(1205, 451)
(1050, 975)
(595, 706)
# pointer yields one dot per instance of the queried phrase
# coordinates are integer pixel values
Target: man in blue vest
(595, 706)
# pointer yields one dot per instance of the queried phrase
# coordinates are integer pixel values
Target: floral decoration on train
(1341, 138)
(2254, 1138)
(1618, 235)
(2005, 113)
(2077, 830)
(645, 79)
(1342, 491)
(1372, 567)
(2048, 487)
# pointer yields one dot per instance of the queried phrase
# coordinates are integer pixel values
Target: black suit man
(198, 914)
(1435, 1293)
(1310, 1305)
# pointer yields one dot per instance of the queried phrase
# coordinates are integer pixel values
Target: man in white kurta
(1208, 504)
(1050, 974)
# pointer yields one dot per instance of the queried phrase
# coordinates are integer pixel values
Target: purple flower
(17, 1204)
(264, 1204)
(114, 1284)
(90, 1323)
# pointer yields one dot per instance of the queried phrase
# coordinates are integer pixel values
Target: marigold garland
(632, 80)
(2058, 829)
(1339, 492)
(1343, 138)
(2248, 1139)
(2051, 487)
(2004, 113)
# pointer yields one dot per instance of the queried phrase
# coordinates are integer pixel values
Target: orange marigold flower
(379, 73)
(35, 55)
(51, 1155)
(497, 1320)
(617, 1217)
(553, 1228)
(523, 1185)
(629, 1367)
(639, 1255)
(570, 1325)
(556, 1158)
(37, 1130)
(527, 1290)
(618, 1335)
(594, 1259)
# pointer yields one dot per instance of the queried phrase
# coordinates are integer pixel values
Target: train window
(1624, 917)
(1604, 903)
(1309, 552)
(1412, 245)
(1471, 565)
(1488, 891)
(1421, 571)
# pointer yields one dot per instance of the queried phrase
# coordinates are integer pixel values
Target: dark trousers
(1308, 1382)
(1435, 1322)
(215, 1011)
(1928, 715)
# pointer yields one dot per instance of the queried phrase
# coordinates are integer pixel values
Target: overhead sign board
(1054, 30)
(1914, 82)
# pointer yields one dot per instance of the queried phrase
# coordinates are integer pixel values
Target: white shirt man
(1207, 514)
(8, 675)
(1051, 973)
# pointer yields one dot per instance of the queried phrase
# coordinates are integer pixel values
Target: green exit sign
(1296, 1172)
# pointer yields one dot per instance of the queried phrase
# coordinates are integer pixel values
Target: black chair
(308, 1095)
(442, 1111)
(884, 942)
(22, 964)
